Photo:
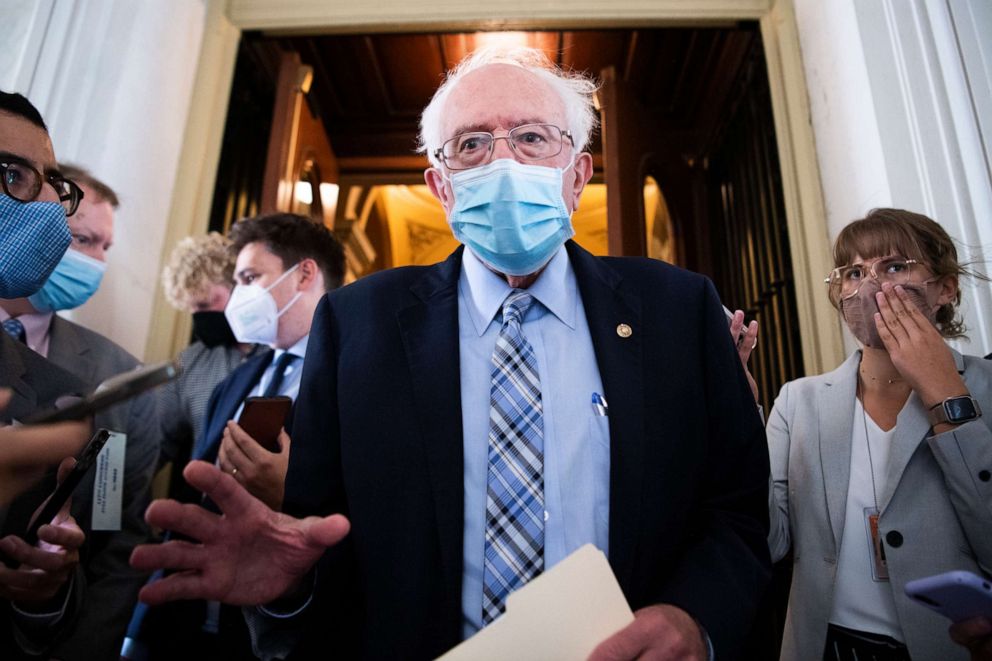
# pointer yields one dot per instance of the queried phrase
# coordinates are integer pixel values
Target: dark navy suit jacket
(377, 436)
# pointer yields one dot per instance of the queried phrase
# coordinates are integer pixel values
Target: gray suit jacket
(935, 499)
(111, 584)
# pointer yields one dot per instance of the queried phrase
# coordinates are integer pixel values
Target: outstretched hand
(248, 555)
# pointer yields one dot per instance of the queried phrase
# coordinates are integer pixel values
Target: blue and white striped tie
(515, 493)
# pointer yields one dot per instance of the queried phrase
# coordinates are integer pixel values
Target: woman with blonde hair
(881, 468)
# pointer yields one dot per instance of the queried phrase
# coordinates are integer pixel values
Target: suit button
(894, 539)
(984, 476)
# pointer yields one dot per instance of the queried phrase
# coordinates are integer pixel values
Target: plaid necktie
(15, 329)
(514, 552)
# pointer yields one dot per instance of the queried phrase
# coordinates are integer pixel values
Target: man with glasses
(477, 421)
(40, 586)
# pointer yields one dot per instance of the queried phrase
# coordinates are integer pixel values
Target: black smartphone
(112, 391)
(65, 489)
(263, 417)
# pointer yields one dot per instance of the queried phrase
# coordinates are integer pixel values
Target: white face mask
(253, 314)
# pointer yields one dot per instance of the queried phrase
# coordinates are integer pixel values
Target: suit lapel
(243, 380)
(66, 348)
(12, 371)
(911, 428)
(429, 330)
(836, 419)
(621, 370)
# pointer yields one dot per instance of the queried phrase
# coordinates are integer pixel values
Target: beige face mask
(859, 310)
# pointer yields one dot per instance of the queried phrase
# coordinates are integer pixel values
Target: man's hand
(658, 633)
(46, 567)
(27, 452)
(746, 339)
(262, 472)
(976, 635)
(248, 556)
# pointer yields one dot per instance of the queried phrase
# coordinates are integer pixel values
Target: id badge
(879, 567)
(108, 484)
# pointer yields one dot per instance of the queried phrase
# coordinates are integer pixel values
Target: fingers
(231, 497)
(175, 554)
(284, 441)
(189, 520)
(186, 585)
(737, 326)
(748, 341)
(971, 632)
(31, 556)
(623, 645)
(42, 445)
(5, 395)
(327, 531)
(65, 533)
(243, 444)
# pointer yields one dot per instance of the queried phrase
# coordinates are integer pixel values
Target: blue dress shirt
(576, 435)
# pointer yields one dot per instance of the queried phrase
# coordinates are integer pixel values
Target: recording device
(112, 391)
(263, 417)
(957, 595)
(65, 489)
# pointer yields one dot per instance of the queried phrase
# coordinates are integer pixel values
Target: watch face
(960, 409)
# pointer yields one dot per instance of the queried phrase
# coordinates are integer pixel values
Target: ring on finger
(234, 471)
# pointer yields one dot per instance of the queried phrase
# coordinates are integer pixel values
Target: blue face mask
(33, 237)
(75, 279)
(511, 215)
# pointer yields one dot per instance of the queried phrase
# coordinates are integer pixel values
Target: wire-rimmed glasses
(530, 142)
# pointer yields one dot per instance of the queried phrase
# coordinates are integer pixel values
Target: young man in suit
(478, 420)
(285, 265)
(111, 584)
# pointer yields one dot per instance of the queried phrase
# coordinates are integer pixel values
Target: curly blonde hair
(196, 263)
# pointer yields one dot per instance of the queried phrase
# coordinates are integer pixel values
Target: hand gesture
(262, 472)
(27, 452)
(657, 633)
(46, 567)
(916, 347)
(746, 339)
(248, 555)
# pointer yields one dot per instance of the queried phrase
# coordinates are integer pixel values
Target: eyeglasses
(23, 183)
(844, 282)
(530, 142)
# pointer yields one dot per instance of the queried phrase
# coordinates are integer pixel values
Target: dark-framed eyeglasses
(23, 182)
(844, 282)
(529, 142)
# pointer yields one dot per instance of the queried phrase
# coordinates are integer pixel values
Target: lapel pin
(624, 331)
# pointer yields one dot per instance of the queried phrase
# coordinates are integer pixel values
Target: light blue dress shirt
(290, 386)
(576, 437)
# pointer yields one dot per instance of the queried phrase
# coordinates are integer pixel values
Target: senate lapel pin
(624, 331)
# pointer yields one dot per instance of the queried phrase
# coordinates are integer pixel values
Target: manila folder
(562, 615)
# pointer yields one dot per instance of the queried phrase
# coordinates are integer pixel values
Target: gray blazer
(936, 499)
(111, 584)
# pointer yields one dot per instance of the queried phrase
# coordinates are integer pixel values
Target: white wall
(113, 80)
(896, 90)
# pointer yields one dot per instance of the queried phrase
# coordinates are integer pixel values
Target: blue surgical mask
(74, 280)
(33, 237)
(511, 215)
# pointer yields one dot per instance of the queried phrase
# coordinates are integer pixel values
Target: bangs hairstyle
(575, 90)
(887, 232)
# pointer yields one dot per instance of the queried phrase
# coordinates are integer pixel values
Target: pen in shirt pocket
(599, 406)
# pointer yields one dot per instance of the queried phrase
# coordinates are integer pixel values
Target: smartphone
(957, 595)
(112, 391)
(263, 417)
(65, 489)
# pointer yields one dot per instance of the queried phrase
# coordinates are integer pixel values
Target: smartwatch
(955, 410)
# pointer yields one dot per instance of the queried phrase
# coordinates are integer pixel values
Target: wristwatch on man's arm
(954, 411)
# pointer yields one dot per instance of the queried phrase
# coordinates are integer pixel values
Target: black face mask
(212, 329)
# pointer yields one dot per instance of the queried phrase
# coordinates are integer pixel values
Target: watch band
(941, 412)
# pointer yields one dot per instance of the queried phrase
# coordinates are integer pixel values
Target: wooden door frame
(226, 19)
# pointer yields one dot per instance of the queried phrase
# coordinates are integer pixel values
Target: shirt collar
(37, 325)
(299, 349)
(555, 288)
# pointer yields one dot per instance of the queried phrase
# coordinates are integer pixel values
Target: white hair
(575, 89)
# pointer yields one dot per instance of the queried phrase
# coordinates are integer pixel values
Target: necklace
(888, 381)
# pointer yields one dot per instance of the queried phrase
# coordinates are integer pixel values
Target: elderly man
(478, 420)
